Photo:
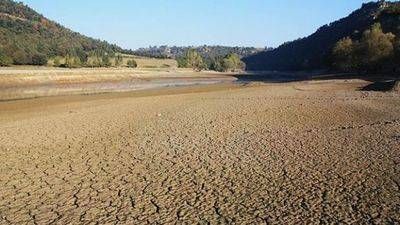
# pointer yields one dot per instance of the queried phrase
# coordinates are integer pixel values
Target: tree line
(375, 52)
(76, 58)
(206, 51)
(193, 59)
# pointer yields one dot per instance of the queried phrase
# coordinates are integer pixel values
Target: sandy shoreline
(33, 82)
(302, 152)
(24, 83)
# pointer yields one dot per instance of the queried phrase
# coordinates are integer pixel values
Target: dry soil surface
(295, 153)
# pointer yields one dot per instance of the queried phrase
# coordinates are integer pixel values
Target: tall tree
(232, 63)
(375, 52)
(343, 55)
(118, 60)
(5, 60)
(376, 46)
(194, 60)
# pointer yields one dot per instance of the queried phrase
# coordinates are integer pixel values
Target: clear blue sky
(140, 23)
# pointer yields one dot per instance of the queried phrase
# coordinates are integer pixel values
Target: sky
(141, 23)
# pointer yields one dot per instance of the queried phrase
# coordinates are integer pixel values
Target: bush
(216, 65)
(132, 63)
(192, 59)
(118, 60)
(195, 60)
(106, 62)
(181, 62)
(20, 58)
(39, 60)
(5, 60)
(230, 62)
(343, 54)
(72, 62)
(57, 62)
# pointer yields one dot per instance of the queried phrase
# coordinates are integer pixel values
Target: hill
(206, 51)
(27, 37)
(315, 51)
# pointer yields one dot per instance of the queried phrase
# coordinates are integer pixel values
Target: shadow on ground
(379, 83)
(381, 86)
(271, 77)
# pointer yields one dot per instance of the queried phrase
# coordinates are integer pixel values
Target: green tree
(131, 63)
(194, 60)
(118, 60)
(95, 59)
(396, 57)
(343, 55)
(232, 63)
(106, 60)
(5, 60)
(376, 46)
(77, 62)
(217, 64)
(72, 61)
(182, 63)
(57, 62)
(375, 52)
(20, 58)
(39, 60)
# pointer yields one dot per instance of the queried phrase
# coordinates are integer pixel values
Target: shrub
(118, 60)
(230, 62)
(106, 60)
(39, 60)
(181, 62)
(5, 60)
(192, 59)
(72, 62)
(343, 54)
(132, 63)
(216, 64)
(57, 62)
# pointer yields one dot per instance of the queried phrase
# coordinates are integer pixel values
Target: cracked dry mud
(300, 153)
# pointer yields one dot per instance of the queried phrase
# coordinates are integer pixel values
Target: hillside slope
(313, 52)
(26, 36)
(206, 51)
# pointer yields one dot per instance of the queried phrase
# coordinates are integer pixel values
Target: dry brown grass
(144, 62)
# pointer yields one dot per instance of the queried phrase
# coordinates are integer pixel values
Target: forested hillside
(316, 51)
(218, 58)
(26, 37)
(205, 51)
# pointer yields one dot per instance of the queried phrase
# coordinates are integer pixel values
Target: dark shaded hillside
(26, 37)
(314, 51)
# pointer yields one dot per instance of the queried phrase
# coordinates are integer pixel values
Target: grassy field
(145, 62)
